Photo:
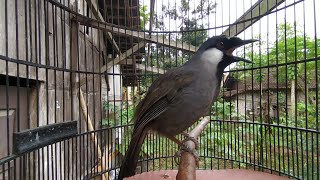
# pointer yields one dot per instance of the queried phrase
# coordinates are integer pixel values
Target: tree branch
(187, 167)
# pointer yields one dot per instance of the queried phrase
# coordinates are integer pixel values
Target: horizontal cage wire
(72, 73)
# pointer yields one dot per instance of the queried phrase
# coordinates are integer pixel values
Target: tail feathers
(130, 161)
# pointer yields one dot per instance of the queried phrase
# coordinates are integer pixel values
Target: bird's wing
(160, 95)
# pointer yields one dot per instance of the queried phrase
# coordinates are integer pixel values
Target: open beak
(238, 44)
(237, 59)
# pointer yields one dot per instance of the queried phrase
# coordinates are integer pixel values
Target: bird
(178, 98)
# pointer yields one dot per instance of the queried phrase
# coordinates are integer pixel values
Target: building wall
(115, 83)
(251, 103)
(41, 53)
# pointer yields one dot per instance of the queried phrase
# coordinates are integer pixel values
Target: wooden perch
(187, 167)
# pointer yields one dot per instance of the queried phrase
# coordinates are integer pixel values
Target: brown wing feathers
(157, 100)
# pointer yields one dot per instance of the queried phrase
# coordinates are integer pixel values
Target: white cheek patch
(213, 55)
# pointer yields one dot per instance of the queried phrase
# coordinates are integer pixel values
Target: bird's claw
(188, 137)
(187, 149)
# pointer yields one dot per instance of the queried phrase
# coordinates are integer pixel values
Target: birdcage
(73, 72)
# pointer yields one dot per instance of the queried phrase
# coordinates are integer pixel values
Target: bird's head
(219, 49)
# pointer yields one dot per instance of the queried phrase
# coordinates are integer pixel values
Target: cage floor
(227, 174)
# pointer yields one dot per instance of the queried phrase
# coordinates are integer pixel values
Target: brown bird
(178, 98)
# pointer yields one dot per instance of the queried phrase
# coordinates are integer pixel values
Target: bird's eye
(220, 45)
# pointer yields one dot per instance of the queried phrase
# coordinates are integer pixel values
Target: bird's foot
(190, 138)
(186, 148)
